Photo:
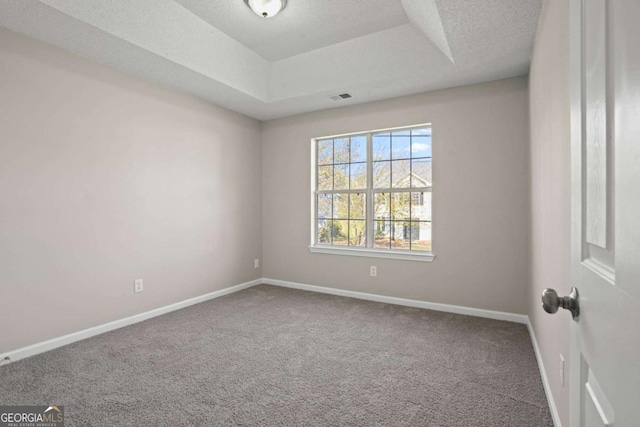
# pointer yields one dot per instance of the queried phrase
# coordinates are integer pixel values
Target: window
(372, 194)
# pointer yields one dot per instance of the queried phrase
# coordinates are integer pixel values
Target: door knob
(551, 302)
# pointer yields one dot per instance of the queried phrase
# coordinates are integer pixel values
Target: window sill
(374, 253)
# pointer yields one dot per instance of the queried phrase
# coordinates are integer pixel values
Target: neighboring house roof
(405, 181)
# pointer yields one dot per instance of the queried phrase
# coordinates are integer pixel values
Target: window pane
(400, 147)
(340, 206)
(382, 206)
(414, 232)
(420, 146)
(401, 133)
(381, 174)
(381, 234)
(417, 200)
(325, 152)
(421, 236)
(400, 170)
(400, 234)
(400, 206)
(341, 150)
(357, 206)
(421, 132)
(358, 178)
(357, 233)
(339, 232)
(381, 146)
(341, 177)
(324, 231)
(421, 176)
(421, 206)
(359, 148)
(325, 177)
(324, 206)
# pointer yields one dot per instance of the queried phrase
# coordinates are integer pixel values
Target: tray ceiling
(291, 63)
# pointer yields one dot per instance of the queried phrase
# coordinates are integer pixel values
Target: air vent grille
(340, 96)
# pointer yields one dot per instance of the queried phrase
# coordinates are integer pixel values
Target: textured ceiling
(305, 26)
(268, 68)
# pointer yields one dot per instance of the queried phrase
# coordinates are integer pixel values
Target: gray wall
(105, 178)
(550, 190)
(480, 196)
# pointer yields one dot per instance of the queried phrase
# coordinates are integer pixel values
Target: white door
(605, 132)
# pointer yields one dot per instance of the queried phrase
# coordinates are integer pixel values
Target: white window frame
(371, 252)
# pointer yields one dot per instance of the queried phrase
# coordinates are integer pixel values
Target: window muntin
(373, 190)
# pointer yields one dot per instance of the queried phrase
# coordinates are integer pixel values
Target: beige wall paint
(105, 178)
(481, 198)
(550, 191)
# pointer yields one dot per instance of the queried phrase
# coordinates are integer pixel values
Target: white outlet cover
(138, 286)
(373, 270)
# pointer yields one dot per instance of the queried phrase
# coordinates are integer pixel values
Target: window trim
(373, 253)
(398, 254)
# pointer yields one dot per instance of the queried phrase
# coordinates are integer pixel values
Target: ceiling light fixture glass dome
(266, 8)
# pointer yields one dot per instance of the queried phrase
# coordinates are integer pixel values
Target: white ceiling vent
(340, 97)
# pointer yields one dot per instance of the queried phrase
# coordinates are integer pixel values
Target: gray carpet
(271, 356)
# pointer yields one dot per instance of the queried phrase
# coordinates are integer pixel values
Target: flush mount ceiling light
(266, 8)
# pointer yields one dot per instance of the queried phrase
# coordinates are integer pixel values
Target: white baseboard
(469, 311)
(545, 379)
(51, 344)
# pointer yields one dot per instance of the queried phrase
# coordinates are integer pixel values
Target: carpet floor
(270, 356)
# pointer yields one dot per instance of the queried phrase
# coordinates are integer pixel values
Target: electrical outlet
(256, 263)
(373, 271)
(138, 286)
(561, 370)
